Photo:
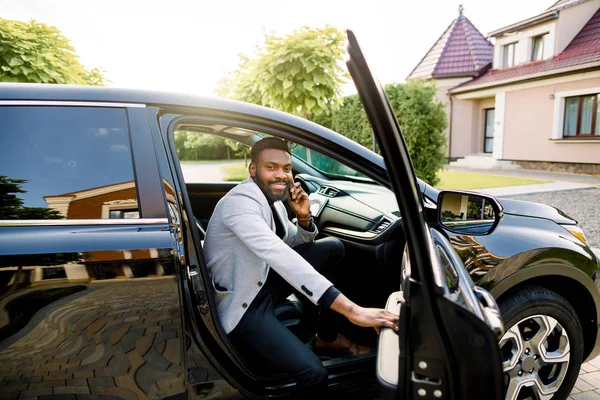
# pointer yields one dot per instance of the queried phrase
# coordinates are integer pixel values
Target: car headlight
(577, 232)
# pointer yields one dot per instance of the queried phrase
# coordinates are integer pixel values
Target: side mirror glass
(468, 213)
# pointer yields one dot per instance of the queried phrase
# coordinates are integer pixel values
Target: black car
(103, 283)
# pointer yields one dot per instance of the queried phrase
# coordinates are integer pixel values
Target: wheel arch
(572, 284)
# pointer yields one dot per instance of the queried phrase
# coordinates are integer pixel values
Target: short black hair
(268, 143)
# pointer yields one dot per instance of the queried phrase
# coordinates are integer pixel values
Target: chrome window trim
(74, 222)
(68, 103)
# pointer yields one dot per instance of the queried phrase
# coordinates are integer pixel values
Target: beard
(270, 193)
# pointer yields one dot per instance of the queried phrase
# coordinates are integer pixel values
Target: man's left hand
(299, 201)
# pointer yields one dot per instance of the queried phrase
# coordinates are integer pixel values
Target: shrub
(423, 120)
(421, 117)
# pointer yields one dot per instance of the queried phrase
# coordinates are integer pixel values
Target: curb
(532, 189)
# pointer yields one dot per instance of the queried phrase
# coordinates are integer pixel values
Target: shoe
(340, 346)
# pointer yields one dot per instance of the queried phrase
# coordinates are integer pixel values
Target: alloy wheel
(536, 353)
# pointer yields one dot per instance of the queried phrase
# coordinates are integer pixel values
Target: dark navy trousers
(266, 345)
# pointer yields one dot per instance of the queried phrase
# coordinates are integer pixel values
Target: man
(254, 254)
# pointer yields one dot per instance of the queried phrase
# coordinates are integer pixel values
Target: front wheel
(542, 348)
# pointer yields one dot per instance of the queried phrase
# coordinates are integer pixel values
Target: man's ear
(252, 170)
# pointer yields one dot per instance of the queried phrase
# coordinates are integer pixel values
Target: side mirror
(468, 213)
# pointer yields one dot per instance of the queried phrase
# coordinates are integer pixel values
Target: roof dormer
(525, 43)
(543, 36)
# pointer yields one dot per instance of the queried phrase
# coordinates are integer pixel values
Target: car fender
(548, 270)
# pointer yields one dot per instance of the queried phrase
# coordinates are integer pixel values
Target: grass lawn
(449, 179)
(468, 181)
(235, 172)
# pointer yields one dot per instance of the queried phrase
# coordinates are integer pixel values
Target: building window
(581, 116)
(488, 140)
(121, 214)
(508, 59)
(537, 47)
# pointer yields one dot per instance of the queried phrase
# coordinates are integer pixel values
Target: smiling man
(257, 257)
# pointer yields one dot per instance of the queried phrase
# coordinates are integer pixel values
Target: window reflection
(112, 201)
(451, 278)
(322, 162)
(65, 162)
(120, 214)
(19, 272)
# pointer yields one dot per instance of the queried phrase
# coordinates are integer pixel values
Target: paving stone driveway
(588, 383)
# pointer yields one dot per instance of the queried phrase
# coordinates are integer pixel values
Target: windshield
(324, 164)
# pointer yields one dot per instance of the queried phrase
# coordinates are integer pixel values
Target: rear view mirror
(468, 213)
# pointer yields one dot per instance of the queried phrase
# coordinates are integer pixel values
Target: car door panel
(88, 280)
(388, 350)
(429, 368)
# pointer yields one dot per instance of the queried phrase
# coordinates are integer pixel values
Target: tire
(549, 333)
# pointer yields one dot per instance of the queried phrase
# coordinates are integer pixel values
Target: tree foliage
(299, 73)
(350, 120)
(423, 120)
(205, 146)
(11, 206)
(421, 117)
(239, 149)
(38, 53)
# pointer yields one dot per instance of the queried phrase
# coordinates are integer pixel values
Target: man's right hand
(374, 317)
(365, 317)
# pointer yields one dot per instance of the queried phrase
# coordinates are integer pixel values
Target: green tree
(202, 141)
(421, 117)
(239, 84)
(204, 146)
(299, 73)
(423, 120)
(38, 53)
(239, 149)
(182, 152)
(11, 206)
(349, 120)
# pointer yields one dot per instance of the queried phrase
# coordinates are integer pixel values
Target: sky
(188, 45)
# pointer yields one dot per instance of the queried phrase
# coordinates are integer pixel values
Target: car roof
(54, 92)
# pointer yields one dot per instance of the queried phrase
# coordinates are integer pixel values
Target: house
(531, 98)
(111, 201)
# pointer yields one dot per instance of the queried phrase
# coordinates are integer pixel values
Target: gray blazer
(241, 246)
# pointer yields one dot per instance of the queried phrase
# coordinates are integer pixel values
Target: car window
(209, 158)
(65, 163)
(323, 163)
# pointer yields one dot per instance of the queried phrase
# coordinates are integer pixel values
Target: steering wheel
(303, 184)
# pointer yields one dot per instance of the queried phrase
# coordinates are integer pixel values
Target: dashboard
(363, 212)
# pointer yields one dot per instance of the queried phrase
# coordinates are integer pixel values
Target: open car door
(445, 349)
